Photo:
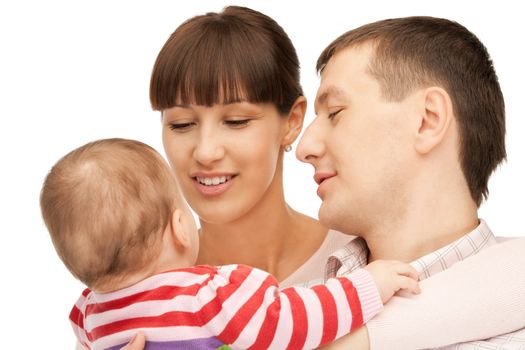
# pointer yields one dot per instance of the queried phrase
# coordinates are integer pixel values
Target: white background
(72, 72)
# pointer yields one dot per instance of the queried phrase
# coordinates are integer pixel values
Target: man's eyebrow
(330, 91)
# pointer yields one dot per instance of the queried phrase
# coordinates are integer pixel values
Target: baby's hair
(106, 205)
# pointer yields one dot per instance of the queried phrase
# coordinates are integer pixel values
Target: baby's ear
(179, 231)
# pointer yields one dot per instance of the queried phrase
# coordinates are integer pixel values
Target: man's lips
(320, 177)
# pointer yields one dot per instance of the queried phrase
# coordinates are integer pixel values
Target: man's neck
(425, 227)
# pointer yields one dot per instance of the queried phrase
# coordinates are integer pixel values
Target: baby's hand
(391, 276)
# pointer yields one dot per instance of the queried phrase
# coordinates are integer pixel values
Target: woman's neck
(272, 237)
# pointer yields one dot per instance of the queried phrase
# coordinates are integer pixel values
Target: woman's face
(225, 156)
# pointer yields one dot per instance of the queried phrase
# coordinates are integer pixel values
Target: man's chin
(324, 216)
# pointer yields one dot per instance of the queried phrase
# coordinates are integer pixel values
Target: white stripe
(80, 302)
(314, 312)
(158, 307)
(367, 292)
(175, 278)
(251, 331)
(282, 334)
(80, 334)
(236, 301)
(344, 312)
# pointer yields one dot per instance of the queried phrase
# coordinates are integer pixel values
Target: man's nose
(311, 144)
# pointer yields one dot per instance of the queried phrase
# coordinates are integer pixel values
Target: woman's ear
(179, 230)
(294, 121)
(435, 117)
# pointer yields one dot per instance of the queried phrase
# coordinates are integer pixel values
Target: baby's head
(109, 206)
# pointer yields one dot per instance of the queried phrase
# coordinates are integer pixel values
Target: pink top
(205, 307)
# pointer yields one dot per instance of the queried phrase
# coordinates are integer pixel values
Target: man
(410, 125)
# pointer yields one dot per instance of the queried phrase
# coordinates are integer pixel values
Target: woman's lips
(213, 184)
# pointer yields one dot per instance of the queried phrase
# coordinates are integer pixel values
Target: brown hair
(413, 52)
(106, 205)
(238, 54)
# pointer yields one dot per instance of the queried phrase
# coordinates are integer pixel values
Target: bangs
(219, 62)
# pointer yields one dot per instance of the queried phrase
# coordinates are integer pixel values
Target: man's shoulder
(504, 239)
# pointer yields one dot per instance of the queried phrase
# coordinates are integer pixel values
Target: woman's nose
(209, 148)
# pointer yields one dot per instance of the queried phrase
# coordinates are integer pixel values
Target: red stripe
(76, 317)
(241, 318)
(160, 293)
(267, 330)
(175, 318)
(300, 319)
(86, 292)
(353, 300)
(329, 309)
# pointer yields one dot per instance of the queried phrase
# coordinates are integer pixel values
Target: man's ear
(178, 229)
(436, 115)
(294, 121)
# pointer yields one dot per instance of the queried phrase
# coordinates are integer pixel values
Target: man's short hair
(415, 52)
(106, 205)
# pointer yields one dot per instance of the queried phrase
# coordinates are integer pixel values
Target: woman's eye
(237, 122)
(181, 126)
(333, 114)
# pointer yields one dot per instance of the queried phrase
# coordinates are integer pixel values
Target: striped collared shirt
(355, 255)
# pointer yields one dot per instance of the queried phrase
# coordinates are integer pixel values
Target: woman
(231, 101)
(228, 88)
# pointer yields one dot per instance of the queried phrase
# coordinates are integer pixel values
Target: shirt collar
(468, 245)
(355, 254)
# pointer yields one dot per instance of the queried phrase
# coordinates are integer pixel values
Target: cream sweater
(478, 298)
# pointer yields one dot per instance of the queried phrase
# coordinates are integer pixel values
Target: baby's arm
(478, 298)
(308, 317)
(248, 310)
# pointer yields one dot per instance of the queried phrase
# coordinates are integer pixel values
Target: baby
(120, 225)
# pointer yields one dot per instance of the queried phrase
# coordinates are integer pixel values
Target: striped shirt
(355, 255)
(205, 307)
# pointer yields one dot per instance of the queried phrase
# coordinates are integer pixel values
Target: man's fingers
(137, 343)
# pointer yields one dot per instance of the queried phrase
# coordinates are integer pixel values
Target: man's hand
(391, 276)
(137, 343)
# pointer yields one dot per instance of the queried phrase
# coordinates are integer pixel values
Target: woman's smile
(212, 184)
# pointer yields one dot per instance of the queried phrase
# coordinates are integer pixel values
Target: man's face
(359, 145)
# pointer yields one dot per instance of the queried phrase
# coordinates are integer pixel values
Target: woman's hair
(106, 205)
(236, 55)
